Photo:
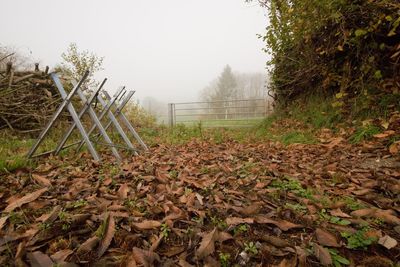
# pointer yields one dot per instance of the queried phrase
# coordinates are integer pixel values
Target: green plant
(358, 239)
(352, 203)
(293, 186)
(65, 226)
(364, 133)
(44, 226)
(224, 259)
(221, 224)
(188, 191)
(165, 230)
(100, 232)
(130, 203)
(198, 220)
(173, 174)
(79, 203)
(332, 219)
(251, 248)
(296, 137)
(296, 207)
(241, 228)
(337, 259)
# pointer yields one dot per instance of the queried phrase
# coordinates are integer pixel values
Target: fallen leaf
(108, 235)
(387, 241)
(223, 236)
(172, 251)
(281, 224)
(274, 240)
(39, 259)
(325, 238)
(123, 191)
(394, 148)
(88, 245)
(147, 225)
(144, 257)
(41, 179)
(3, 221)
(25, 199)
(323, 255)
(50, 217)
(339, 213)
(61, 255)
(206, 245)
(384, 134)
(237, 220)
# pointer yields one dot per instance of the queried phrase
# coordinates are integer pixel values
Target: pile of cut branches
(27, 99)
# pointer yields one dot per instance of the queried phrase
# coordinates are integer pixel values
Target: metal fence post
(170, 114)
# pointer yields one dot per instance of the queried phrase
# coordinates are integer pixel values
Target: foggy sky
(169, 50)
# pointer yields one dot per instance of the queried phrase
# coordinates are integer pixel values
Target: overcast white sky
(168, 49)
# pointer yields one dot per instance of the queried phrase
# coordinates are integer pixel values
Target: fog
(166, 50)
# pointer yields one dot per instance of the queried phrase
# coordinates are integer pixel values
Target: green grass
(13, 153)
(14, 148)
(364, 133)
(297, 137)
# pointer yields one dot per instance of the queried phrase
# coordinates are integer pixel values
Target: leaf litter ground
(207, 204)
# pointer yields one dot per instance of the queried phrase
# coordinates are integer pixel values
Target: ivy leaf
(360, 32)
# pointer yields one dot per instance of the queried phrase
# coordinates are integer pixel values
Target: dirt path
(208, 204)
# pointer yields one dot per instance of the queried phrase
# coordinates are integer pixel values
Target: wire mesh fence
(229, 113)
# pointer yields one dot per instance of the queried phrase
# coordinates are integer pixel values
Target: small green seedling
(221, 224)
(251, 248)
(224, 259)
(358, 239)
(242, 228)
(165, 230)
(338, 260)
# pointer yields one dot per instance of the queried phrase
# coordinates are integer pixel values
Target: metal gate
(229, 113)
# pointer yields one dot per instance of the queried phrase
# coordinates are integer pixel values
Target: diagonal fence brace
(88, 108)
(128, 125)
(66, 104)
(107, 111)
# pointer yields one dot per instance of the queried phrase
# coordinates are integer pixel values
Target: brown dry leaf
(123, 191)
(41, 179)
(384, 134)
(363, 212)
(3, 221)
(339, 213)
(61, 255)
(50, 217)
(302, 255)
(274, 240)
(107, 236)
(394, 148)
(325, 238)
(323, 255)
(223, 236)
(172, 251)
(238, 220)
(144, 257)
(387, 241)
(25, 199)
(88, 245)
(147, 225)
(207, 244)
(282, 224)
(39, 259)
(386, 215)
(156, 242)
(292, 262)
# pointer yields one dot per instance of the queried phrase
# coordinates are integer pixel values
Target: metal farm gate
(229, 113)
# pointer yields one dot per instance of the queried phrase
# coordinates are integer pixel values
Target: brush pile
(27, 99)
